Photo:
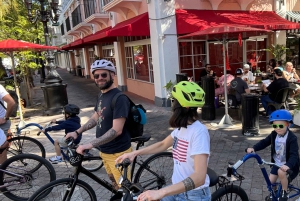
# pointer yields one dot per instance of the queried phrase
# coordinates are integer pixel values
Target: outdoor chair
(280, 100)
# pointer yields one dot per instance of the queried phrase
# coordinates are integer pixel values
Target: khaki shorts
(110, 164)
(62, 143)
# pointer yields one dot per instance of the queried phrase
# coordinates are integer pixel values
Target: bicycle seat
(143, 138)
(213, 177)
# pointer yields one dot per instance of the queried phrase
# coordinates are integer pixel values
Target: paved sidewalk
(227, 144)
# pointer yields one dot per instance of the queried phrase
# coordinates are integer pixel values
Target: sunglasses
(103, 75)
(278, 125)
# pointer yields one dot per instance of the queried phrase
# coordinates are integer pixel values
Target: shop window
(139, 63)
(256, 53)
(192, 58)
(109, 54)
(91, 56)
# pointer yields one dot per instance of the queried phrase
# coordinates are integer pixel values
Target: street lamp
(48, 11)
(55, 93)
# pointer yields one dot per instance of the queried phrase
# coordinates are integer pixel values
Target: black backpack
(136, 117)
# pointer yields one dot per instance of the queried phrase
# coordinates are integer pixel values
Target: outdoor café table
(255, 88)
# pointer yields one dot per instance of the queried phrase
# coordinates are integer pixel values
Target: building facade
(141, 38)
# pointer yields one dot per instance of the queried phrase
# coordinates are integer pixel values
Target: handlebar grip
(38, 134)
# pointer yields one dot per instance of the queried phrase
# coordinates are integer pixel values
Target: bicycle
(23, 144)
(75, 189)
(232, 191)
(22, 175)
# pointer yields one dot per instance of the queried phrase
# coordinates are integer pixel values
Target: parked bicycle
(234, 192)
(22, 175)
(23, 144)
(154, 173)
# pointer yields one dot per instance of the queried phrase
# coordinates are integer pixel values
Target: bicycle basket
(75, 159)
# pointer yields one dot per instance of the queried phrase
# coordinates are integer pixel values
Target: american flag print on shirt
(180, 149)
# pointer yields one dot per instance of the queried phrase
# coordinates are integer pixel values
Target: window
(109, 54)
(139, 62)
(91, 56)
(256, 53)
(76, 16)
(192, 58)
(62, 29)
(89, 7)
(68, 25)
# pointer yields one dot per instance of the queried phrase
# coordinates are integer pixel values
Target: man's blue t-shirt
(106, 117)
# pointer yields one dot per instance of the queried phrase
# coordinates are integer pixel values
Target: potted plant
(278, 51)
(169, 87)
(296, 118)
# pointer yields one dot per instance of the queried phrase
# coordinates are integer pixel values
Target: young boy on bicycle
(284, 150)
(71, 123)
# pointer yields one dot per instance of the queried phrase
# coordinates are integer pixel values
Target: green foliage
(278, 51)
(169, 87)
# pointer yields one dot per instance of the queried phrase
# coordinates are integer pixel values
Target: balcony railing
(89, 8)
(68, 24)
(105, 2)
(76, 16)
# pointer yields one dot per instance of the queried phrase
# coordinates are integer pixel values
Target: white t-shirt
(280, 150)
(189, 142)
(249, 76)
(3, 93)
(2, 137)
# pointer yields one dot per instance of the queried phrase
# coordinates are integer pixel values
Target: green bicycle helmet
(189, 94)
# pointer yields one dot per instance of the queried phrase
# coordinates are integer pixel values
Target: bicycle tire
(226, 193)
(95, 162)
(57, 189)
(160, 164)
(25, 145)
(34, 178)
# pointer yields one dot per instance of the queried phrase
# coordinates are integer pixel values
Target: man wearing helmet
(284, 149)
(111, 135)
(191, 149)
(71, 123)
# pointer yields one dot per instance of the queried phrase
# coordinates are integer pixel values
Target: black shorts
(274, 171)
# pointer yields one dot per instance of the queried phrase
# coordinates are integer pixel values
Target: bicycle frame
(261, 163)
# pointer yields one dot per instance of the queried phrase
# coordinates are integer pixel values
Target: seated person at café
(291, 76)
(207, 71)
(248, 75)
(278, 83)
(272, 64)
(279, 65)
(220, 82)
(239, 85)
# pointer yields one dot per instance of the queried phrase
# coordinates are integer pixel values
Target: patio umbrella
(224, 33)
(9, 46)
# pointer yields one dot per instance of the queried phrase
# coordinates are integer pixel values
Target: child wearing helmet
(70, 124)
(191, 148)
(284, 149)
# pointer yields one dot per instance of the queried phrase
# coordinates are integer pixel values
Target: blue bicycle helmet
(281, 115)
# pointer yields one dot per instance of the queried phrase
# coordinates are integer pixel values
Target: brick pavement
(227, 144)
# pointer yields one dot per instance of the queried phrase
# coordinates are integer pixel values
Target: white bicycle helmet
(102, 64)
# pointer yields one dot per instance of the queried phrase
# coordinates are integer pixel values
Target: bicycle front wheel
(28, 179)
(229, 193)
(60, 190)
(25, 145)
(92, 160)
(156, 172)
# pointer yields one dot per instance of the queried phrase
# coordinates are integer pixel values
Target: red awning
(136, 26)
(189, 21)
(77, 42)
(65, 47)
(97, 36)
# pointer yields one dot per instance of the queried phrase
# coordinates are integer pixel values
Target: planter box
(296, 118)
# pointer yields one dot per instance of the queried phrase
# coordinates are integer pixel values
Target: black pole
(41, 62)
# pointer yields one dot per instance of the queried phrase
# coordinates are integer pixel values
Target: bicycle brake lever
(38, 134)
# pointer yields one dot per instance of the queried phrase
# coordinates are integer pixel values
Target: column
(120, 63)
(164, 45)
(85, 63)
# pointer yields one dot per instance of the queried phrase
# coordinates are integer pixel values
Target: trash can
(55, 97)
(209, 109)
(181, 77)
(250, 115)
(79, 72)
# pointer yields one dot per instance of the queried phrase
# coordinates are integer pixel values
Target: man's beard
(106, 85)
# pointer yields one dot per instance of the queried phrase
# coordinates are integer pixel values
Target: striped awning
(293, 16)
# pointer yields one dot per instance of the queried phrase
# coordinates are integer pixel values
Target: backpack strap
(116, 96)
(2, 105)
